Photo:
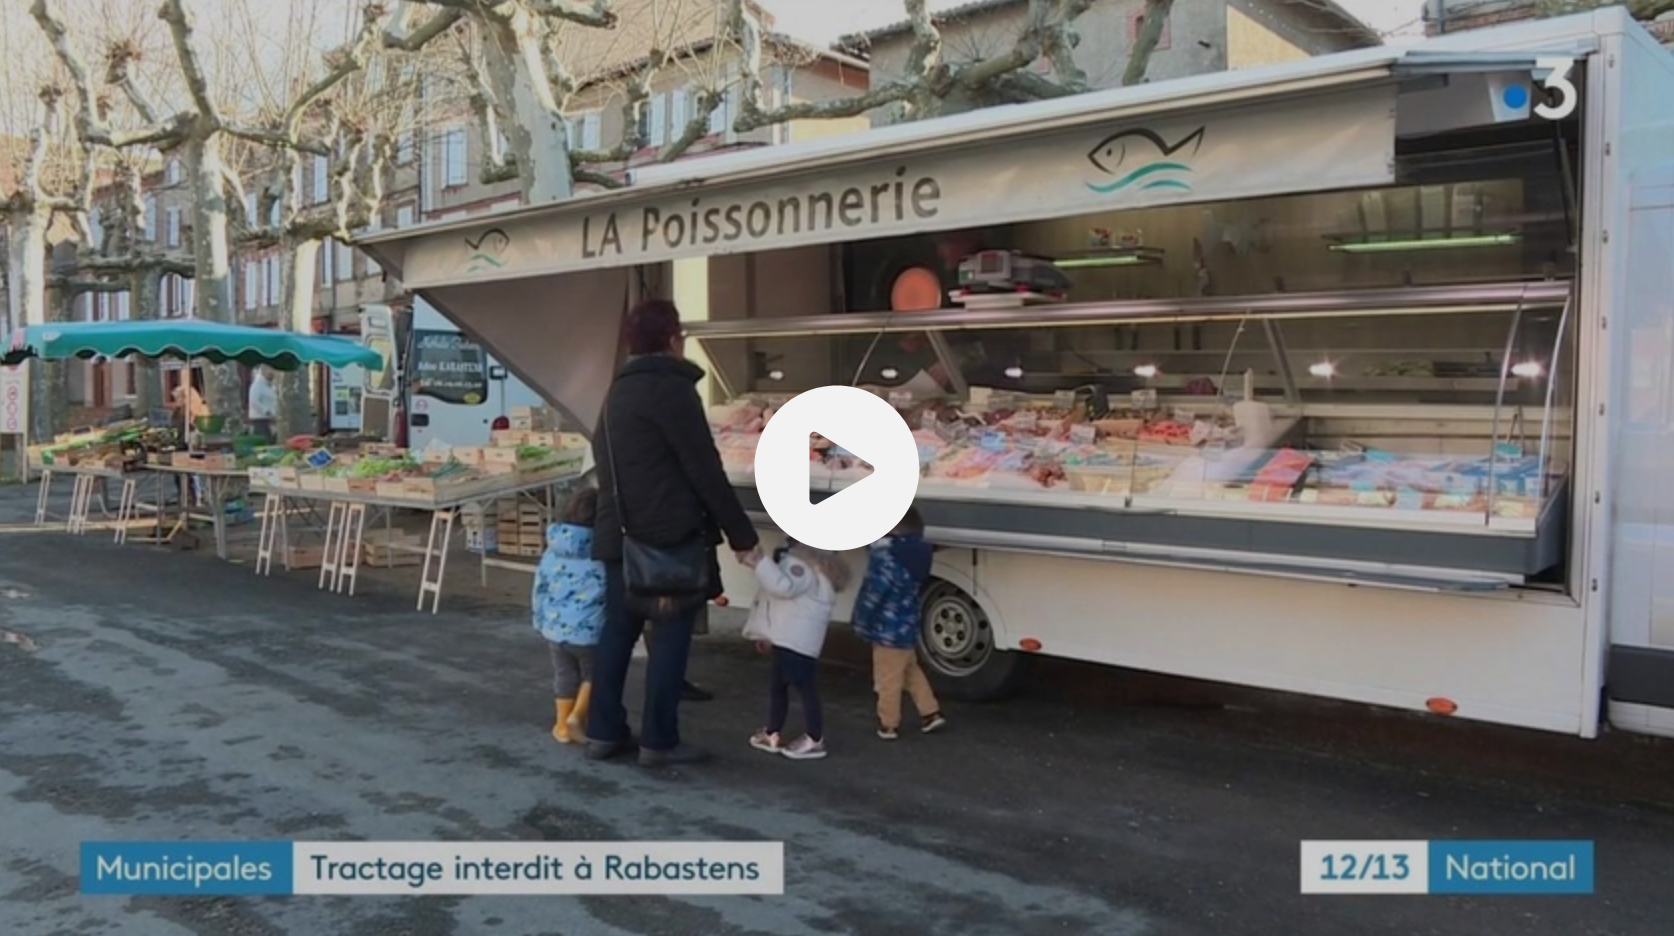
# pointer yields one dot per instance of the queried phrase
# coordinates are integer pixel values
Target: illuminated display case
(1378, 433)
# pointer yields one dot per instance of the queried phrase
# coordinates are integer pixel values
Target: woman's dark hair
(652, 327)
(582, 507)
(912, 521)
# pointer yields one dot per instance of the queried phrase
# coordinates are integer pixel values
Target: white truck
(1360, 389)
(455, 388)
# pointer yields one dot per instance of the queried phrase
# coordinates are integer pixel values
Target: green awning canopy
(187, 339)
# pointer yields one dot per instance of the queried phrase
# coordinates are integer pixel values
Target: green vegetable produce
(533, 452)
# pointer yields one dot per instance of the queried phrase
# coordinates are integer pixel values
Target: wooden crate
(305, 557)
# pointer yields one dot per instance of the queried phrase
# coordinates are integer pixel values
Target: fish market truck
(1347, 377)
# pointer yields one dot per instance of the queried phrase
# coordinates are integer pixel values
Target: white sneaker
(767, 741)
(804, 748)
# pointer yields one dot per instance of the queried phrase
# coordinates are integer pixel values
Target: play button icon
(864, 425)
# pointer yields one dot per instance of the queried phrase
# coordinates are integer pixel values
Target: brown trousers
(894, 670)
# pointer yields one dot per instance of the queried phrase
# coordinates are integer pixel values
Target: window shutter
(151, 219)
(659, 120)
(678, 99)
(404, 148)
(590, 131)
(250, 206)
(453, 159)
(274, 215)
(345, 262)
(174, 227)
(275, 289)
(404, 216)
(322, 179)
(250, 284)
(326, 252)
(719, 119)
(124, 306)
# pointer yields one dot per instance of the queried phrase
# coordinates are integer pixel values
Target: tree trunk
(60, 304)
(294, 388)
(147, 287)
(26, 304)
(517, 72)
(223, 390)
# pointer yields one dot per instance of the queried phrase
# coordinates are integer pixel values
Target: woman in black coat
(671, 488)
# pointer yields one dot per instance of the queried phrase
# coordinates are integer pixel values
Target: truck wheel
(957, 646)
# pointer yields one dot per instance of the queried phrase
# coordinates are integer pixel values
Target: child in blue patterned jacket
(887, 615)
(569, 611)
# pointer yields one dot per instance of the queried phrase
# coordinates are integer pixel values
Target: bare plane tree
(199, 130)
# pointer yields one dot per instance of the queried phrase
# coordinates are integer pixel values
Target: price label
(1063, 399)
(992, 441)
(1083, 434)
(1144, 399)
(900, 398)
(1025, 420)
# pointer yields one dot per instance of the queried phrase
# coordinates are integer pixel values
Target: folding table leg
(273, 511)
(81, 500)
(348, 559)
(333, 533)
(42, 498)
(436, 550)
(125, 508)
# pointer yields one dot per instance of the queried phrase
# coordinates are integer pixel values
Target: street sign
(14, 400)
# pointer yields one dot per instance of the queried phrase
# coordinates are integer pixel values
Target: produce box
(266, 478)
(380, 450)
(531, 418)
(205, 461)
(335, 485)
(393, 489)
(510, 437)
(311, 481)
(387, 548)
(468, 454)
(364, 486)
(305, 557)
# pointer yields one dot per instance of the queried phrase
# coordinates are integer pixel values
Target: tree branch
(596, 13)
(430, 29)
(696, 128)
(181, 28)
(89, 127)
(1145, 42)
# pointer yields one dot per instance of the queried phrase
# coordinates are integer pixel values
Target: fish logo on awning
(1141, 159)
(487, 249)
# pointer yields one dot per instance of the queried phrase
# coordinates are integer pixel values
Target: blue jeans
(665, 672)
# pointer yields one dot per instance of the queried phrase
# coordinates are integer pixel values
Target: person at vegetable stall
(672, 487)
(264, 403)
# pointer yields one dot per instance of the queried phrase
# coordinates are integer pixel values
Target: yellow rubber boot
(578, 715)
(561, 728)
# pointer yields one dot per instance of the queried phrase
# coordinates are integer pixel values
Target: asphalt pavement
(147, 693)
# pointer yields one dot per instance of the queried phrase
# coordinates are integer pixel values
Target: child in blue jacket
(887, 615)
(569, 611)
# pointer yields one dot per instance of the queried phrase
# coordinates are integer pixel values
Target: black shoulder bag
(661, 581)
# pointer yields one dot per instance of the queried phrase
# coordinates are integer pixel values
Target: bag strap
(615, 477)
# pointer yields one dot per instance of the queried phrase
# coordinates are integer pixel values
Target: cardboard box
(305, 557)
(205, 461)
(396, 489)
(531, 418)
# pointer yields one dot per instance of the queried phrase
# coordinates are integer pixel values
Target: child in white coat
(797, 587)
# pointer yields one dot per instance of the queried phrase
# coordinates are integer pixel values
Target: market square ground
(167, 695)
